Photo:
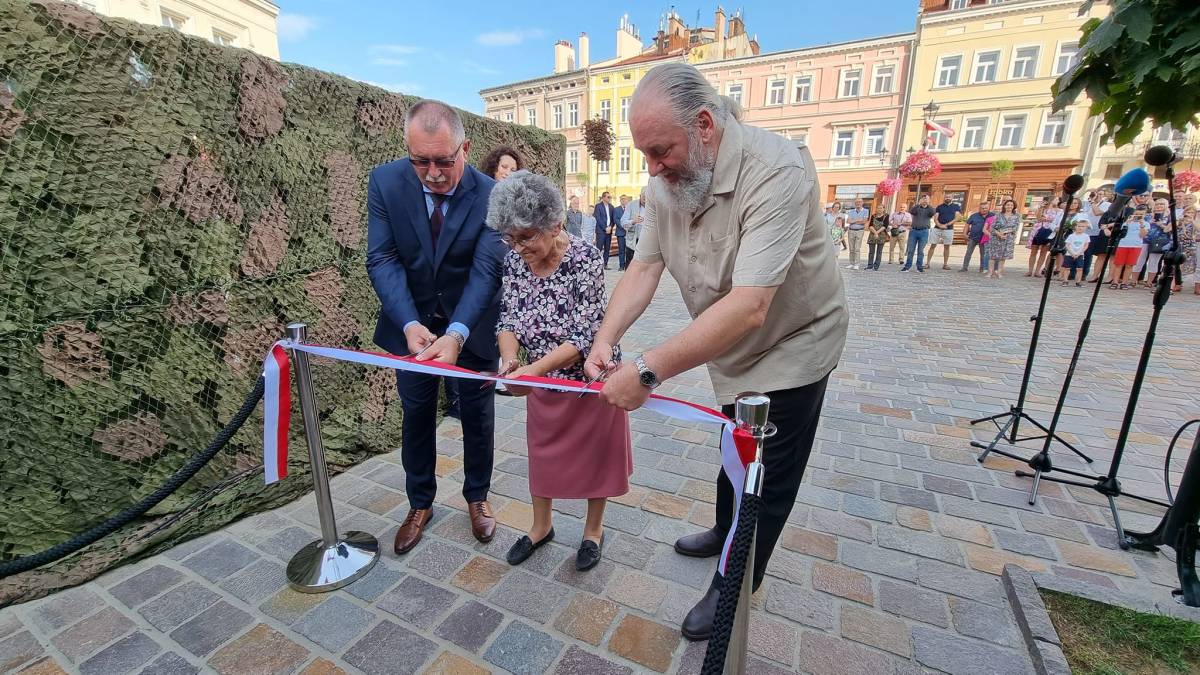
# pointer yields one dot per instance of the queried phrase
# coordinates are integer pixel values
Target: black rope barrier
(731, 586)
(59, 551)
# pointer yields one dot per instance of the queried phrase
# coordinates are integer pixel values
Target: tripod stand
(1108, 485)
(1041, 462)
(1016, 413)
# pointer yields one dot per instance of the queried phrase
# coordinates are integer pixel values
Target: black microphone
(1072, 184)
(1161, 155)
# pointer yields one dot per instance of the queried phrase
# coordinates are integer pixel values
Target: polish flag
(930, 125)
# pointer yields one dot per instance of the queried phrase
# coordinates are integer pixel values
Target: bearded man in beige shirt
(732, 212)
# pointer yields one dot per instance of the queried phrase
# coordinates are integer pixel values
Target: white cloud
(394, 49)
(508, 38)
(389, 61)
(295, 27)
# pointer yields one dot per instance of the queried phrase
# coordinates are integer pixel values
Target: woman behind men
(1003, 242)
(501, 162)
(551, 305)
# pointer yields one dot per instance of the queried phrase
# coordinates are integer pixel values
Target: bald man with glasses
(436, 267)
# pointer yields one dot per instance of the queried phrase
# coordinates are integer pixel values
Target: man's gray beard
(689, 191)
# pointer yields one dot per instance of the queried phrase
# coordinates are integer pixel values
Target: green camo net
(168, 206)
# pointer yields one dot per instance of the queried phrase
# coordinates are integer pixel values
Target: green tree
(1000, 170)
(1141, 62)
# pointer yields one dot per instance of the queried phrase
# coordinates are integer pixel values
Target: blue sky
(451, 50)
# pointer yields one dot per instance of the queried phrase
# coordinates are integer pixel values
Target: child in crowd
(1129, 248)
(1077, 244)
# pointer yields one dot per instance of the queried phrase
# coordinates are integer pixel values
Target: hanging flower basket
(888, 186)
(921, 164)
(1188, 181)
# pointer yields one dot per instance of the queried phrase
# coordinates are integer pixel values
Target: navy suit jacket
(600, 213)
(459, 280)
(618, 211)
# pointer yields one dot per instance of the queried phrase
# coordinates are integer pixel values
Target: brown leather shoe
(483, 524)
(409, 533)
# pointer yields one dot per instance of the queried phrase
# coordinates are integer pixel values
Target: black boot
(698, 623)
(702, 545)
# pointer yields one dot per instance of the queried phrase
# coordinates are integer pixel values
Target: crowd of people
(992, 231)
(490, 270)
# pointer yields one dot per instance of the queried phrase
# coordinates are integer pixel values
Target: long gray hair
(525, 201)
(688, 92)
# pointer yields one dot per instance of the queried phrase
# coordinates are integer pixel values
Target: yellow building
(610, 90)
(251, 24)
(611, 85)
(578, 90)
(984, 69)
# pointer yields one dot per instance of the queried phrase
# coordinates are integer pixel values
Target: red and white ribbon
(737, 446)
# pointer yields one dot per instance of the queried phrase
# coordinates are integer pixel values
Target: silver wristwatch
(458, 337)
(646, 376)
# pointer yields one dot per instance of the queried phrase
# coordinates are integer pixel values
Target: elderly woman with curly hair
(551, 305)
(502, 162)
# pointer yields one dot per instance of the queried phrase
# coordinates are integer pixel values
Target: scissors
(512, 365)
(423, 349)
(616, 361)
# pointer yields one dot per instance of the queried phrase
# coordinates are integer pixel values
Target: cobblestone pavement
(889, 565)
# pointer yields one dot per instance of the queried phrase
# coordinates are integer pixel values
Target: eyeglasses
(523, 242)
(441, 163)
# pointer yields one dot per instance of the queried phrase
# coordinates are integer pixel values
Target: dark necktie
(436, 218)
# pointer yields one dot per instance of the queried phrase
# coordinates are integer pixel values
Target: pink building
(844, 101)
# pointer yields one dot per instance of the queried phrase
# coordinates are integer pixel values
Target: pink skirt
(579, 448)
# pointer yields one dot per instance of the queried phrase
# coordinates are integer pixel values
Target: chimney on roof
(719, 29)
(629, 43)
(564, 57)
(736, 25)
(583, 61)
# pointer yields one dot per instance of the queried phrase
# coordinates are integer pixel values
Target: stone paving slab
(891, 561)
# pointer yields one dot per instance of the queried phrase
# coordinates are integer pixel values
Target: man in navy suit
(436, 267)
(619, 229)
(606, 219)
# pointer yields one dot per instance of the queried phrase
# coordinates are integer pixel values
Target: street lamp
(883, 155)
(930, 109)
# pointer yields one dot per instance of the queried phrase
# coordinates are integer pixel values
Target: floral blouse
(566, 306)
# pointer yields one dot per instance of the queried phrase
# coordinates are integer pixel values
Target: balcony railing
(858, 162)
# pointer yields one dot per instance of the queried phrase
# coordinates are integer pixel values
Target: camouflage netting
(168, 205)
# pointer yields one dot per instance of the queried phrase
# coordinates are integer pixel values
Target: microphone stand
(1178, 529)
(1108, 485)
(1017, 412)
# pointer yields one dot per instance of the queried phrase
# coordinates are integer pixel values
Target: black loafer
(702, 545)
(698, 623)
(589, 554)
(524, 547)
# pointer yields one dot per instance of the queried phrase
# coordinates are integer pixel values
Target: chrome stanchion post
(750, 415)
(329, 562)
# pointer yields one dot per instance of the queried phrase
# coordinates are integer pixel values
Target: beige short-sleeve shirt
(761, 225)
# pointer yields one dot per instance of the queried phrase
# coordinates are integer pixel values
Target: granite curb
(1037, 630)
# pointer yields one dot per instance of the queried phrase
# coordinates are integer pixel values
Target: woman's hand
(517, 390)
